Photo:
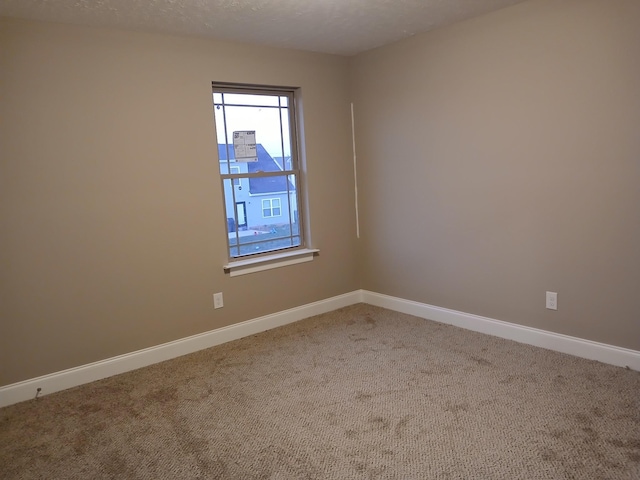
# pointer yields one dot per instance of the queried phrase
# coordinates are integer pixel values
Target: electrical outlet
(552, 300)
(217, 300)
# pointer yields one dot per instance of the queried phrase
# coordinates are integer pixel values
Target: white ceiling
(344, 27)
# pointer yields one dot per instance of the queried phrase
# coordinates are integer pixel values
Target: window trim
(294, 253)
(279, 259)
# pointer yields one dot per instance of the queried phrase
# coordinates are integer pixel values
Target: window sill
(268, 262)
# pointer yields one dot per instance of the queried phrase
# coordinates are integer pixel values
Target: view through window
(257, 150)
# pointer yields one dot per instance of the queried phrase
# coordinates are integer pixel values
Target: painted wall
(500, 158)
(112, 224)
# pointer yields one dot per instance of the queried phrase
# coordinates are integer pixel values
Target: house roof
(265, 163)
(281, 161)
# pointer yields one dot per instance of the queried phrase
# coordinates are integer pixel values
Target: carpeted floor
(358, 393)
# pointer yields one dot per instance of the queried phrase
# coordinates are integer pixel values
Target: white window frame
(235, 169)
(271, 207)
(289, 255)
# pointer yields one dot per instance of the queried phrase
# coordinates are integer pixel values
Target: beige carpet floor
(359, 393)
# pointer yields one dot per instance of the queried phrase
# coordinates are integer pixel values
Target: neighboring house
(259, 202)
(287, 162)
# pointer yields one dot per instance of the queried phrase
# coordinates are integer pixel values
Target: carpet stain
(162, 395)
(86, 409)
(360, 396)
(633, 456)
(380, 423)
(439, 371)
(115, 466)
(629, 443)
(560, 381)
(591, 433)
(549, 455)
(560, 434)
(401, 426)
(370, 472)
(456, 408)
(518, 379)
(80, 442)
(481, 361)
(582, 418)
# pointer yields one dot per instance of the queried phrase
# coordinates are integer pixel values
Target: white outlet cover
(552, 301)
(217, 300)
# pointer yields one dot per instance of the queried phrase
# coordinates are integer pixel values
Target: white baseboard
(73, 377)
(621, 357)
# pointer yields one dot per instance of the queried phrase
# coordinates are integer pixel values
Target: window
(237, 182)
(257, 140)
(270, 207)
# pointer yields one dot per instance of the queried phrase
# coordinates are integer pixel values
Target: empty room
(328, 239)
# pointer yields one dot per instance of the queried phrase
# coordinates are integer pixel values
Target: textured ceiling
(343, 27)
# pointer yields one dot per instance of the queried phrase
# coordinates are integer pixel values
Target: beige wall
(111, 216)
(499, 158)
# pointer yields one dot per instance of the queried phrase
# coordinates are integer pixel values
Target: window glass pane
(224, 155)
(267, 239)
(250, 99)
(284, 101)
(217, 98)
(264, 121)
(231, 220)
(261, 224)
(286, 137)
